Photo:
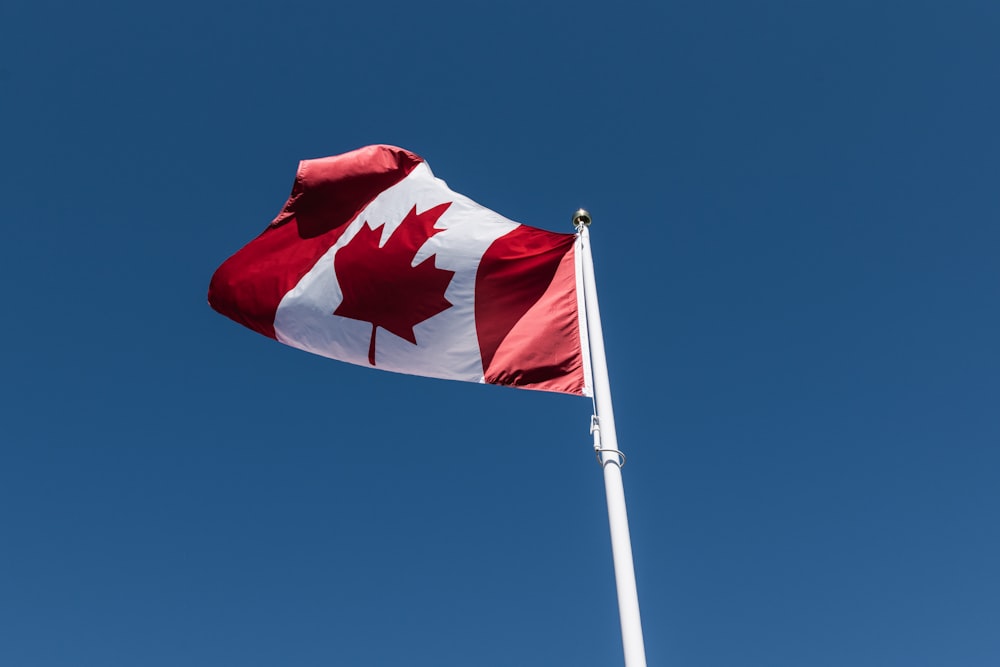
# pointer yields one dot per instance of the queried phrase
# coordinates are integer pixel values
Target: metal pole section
(621, 543)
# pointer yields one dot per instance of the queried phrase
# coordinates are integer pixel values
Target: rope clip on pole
(599, 448)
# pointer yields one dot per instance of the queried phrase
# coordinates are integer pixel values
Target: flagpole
(611, 459)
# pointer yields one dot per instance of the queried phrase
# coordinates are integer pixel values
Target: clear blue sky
(797, 229)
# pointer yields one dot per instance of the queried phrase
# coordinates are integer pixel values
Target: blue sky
(796, 232)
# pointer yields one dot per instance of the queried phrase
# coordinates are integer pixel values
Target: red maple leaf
(381, 285)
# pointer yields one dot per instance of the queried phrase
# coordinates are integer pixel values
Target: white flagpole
(611, 459)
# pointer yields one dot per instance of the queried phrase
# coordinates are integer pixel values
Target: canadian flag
(376, 262)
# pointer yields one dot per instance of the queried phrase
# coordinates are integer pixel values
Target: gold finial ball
(581, 218)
